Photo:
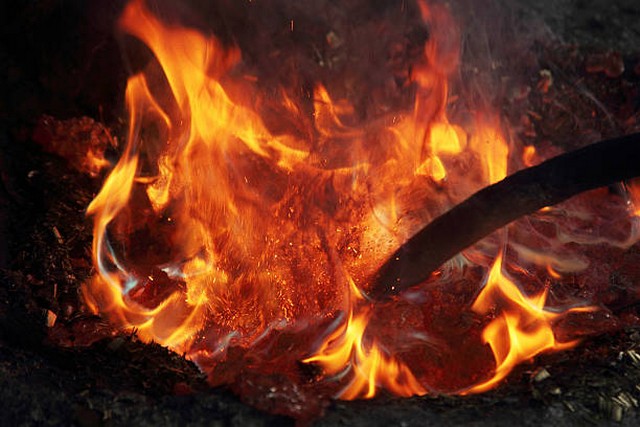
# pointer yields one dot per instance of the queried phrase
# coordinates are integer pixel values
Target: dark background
(63, 58)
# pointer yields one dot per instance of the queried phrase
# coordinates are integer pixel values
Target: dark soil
(61, 58)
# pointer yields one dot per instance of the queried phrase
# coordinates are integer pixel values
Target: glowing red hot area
(250, 249)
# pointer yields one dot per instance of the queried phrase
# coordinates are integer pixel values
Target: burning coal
(244, 221)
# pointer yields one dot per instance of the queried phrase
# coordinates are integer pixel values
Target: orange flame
(345, 349)
(109, 292)
(260, 228)
(529, 155)
(633, 189)
(489, 143)
(521, 331)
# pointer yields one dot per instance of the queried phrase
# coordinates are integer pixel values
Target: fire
(214, 229)
(345, 349)
(521, 331)
(493, 149)
(633, 188)
(529, 155)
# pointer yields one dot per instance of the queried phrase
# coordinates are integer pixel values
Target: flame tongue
(215, 231)
(345, 350)
(522, 330)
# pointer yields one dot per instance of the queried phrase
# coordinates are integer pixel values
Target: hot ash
(241, 226)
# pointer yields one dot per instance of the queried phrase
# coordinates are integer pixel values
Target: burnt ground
(115, 380)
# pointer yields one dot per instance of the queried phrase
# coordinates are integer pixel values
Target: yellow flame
(489, 142)
(522, 330)
(370, 366)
